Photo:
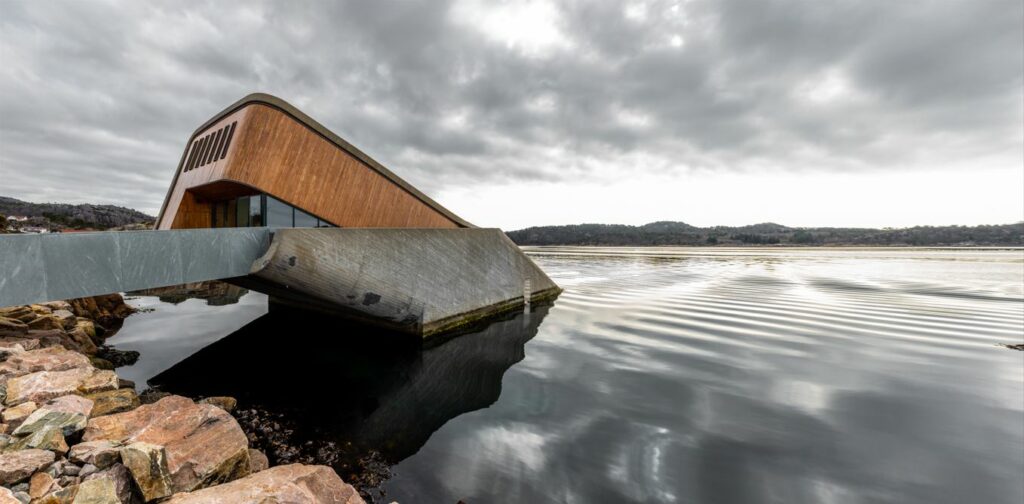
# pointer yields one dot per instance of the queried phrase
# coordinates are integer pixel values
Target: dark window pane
(279, 213)
(256, 210)
(227, 143)
(230, 214)
(303, 219)
(242, 212)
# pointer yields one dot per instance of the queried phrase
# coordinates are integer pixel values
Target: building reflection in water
(362, 389)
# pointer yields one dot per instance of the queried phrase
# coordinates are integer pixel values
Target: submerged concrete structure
(307, 218)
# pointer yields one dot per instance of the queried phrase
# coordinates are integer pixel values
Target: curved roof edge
(320, 129)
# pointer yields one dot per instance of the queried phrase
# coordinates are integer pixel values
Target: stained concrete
(419, 281)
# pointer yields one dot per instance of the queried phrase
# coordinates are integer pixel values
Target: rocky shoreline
(72, 431)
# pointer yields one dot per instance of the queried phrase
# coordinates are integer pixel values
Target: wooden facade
(261, 144)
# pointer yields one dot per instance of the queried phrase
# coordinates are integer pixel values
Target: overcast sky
(870, 113)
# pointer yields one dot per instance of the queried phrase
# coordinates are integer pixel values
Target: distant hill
(679, 233)
(64, 216)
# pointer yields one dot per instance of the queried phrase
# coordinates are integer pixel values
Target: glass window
(303, 219)
(242, 212)
(256, 210)
(323, 223)
(279, 214)
(230, 214)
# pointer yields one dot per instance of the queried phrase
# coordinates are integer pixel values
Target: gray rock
(20, 487)
(87, 470)
(22, 497)
(102, 453)
(122, 479)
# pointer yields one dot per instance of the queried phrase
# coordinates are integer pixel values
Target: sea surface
(699, 375)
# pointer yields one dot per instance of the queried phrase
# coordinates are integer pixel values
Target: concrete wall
(46, 267)
(420, 281)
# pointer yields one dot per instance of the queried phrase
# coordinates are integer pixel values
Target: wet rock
(150, 396)
(19, 465)
(12, 327)
(122, 479)
(45, 385)
(204, 444)
(89, 328)
(223, 402)
(43, 359)
(257, 461)
(102, 453)
(96, 491)
(108, 311)
(118, 358)
(99, 363)
(147, 464)
(114, 401)
(288, 483)
(125, 383)
(15, 415)
(41, 484)
(67, 413)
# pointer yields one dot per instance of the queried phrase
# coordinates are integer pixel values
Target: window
(256, 210)
(279, 214)
(303, 219)
(242, 212)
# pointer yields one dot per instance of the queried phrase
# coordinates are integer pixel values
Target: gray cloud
(97, 99)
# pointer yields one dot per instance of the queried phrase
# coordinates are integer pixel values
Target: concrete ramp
(36, 268)
(418, 281)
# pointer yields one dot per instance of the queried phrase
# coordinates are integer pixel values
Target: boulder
(225, 403)
(113, 401)
(68, 413)
(19, 313)
(287, 483)
(89, 328)
(203, 444)
(12, 342)
(102, 454)
(147, 464)
(257, 461)
(45, 322)
(41, 484)
(43, 359)
(18, 413)
(97, 491)
(107, 310)
(39, 309)
(45, 385)
(49, 437)
(67, 319)
(19, 465)
(12, 327)
(121, 478)
(76, 339)
(57, 305)
(8, 497)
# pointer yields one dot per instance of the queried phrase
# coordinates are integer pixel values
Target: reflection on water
(350, 384)
(671, 375)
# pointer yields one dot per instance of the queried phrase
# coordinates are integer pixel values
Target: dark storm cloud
(97, 99)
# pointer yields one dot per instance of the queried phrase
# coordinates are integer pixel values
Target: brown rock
(204, 444)
(287, 483)
(18, 413)
(12, 327)
(113, 401)
(57, 305)
(257, 461)
(43, 359)
(19, 465)
(96, 491)
(79, 341)
(45, 322)
(107, 310)
(89, 328)
(40, 484)
(67, 319)
(25, 343)
(39, 309)
(148, 466)
(60, 495)
(121, 478)
(68, 413)
(102, 453)
(225, 403)
(45, 385)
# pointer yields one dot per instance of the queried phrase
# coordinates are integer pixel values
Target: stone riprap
(72, 433)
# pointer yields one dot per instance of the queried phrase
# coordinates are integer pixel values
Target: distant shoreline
(680, 234)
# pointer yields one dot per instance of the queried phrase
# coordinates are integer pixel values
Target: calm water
(660, 375)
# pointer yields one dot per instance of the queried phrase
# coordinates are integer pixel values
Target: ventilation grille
(210, 148)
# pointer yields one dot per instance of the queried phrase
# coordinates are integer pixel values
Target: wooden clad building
(262, 162)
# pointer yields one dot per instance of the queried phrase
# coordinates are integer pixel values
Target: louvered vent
(210, 148)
